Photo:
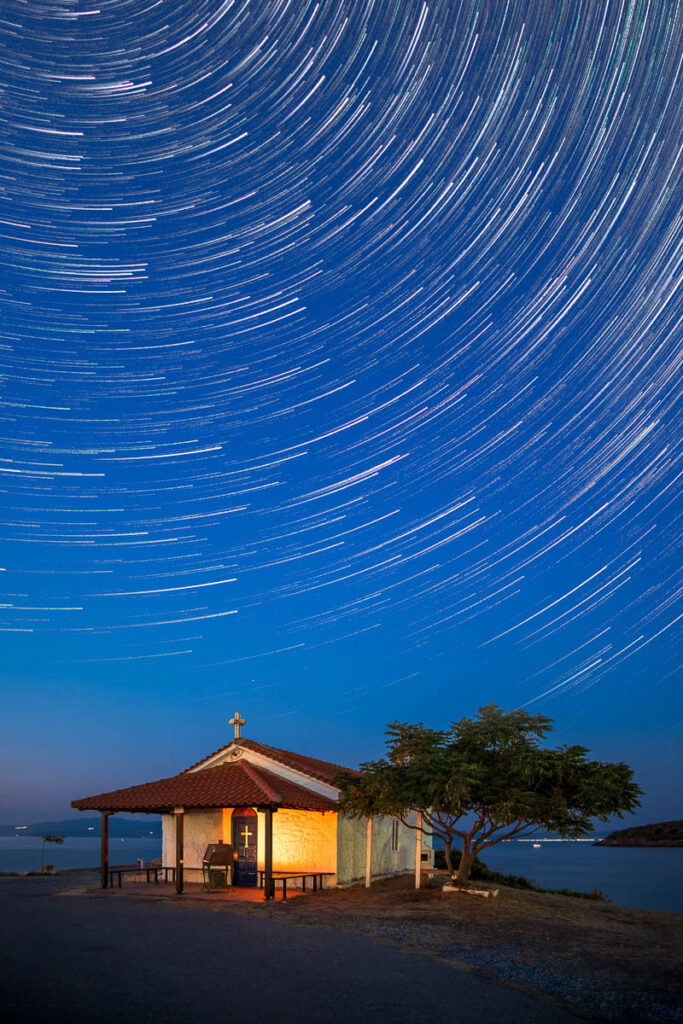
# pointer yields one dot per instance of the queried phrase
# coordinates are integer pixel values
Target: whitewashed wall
(200, 829)
(351, 838)
(167, 840)
(352, 848)
(303, 841)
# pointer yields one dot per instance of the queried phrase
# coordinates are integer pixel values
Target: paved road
(86, 960)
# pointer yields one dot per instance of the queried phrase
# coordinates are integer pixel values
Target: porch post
(179, 816)
(418, 851)
(368, 855)
(268, 858)
(104, 848)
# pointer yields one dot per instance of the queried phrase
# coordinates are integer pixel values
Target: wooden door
(245, 842)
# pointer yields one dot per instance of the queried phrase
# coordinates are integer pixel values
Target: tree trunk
(465, 865)
(447, 856)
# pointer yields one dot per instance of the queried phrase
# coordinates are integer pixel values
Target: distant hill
(663, 833)
(119, 828)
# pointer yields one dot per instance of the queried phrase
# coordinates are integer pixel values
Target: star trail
(341, 363)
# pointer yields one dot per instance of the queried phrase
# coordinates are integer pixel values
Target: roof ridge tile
(256, 776)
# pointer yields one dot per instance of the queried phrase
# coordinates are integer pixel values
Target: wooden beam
(418, 851)
(104, 848)
(179, 816)
(268, 856)
(368, 855)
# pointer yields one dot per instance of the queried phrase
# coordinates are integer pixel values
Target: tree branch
(526, 828)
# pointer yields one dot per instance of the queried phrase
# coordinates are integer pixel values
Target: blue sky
(340, 380)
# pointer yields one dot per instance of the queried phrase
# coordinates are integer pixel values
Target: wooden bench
(152, 872)
(285, 876)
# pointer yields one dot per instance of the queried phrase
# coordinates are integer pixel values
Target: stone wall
(302, 841)
(305, 841)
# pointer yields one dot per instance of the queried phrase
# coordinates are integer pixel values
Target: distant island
(119, 828)
(663, 833)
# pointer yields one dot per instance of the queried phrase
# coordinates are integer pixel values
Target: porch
(163, 879)
(135, 886)
(252, 867)
(231, 806)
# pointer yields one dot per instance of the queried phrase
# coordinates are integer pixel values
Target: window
(394, 835)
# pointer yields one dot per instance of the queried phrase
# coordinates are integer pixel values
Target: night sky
(341, 379)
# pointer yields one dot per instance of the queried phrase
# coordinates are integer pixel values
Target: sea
(24, 853)
(647, 879)
(641, 877)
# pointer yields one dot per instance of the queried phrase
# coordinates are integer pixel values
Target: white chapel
(274, 815)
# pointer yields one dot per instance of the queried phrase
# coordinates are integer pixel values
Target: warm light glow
(303, 841)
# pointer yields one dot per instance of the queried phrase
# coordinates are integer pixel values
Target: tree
(48, 839)
(486, 779)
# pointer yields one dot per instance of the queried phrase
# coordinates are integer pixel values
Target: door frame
(244, 816)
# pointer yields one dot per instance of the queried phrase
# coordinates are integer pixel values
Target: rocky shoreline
(638, 842)
(662, 833)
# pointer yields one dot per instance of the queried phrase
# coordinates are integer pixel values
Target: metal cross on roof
(238, 722)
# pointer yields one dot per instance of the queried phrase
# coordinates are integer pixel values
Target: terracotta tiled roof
(207, 757)
(324, 771)
(237, 784)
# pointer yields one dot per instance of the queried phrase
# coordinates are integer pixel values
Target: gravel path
(76, 958)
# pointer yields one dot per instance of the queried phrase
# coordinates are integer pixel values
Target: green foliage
(595, 894)
(486, 779)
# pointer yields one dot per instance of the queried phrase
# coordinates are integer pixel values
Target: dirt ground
(607, 962)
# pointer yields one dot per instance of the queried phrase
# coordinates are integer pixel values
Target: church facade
(277, 810)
